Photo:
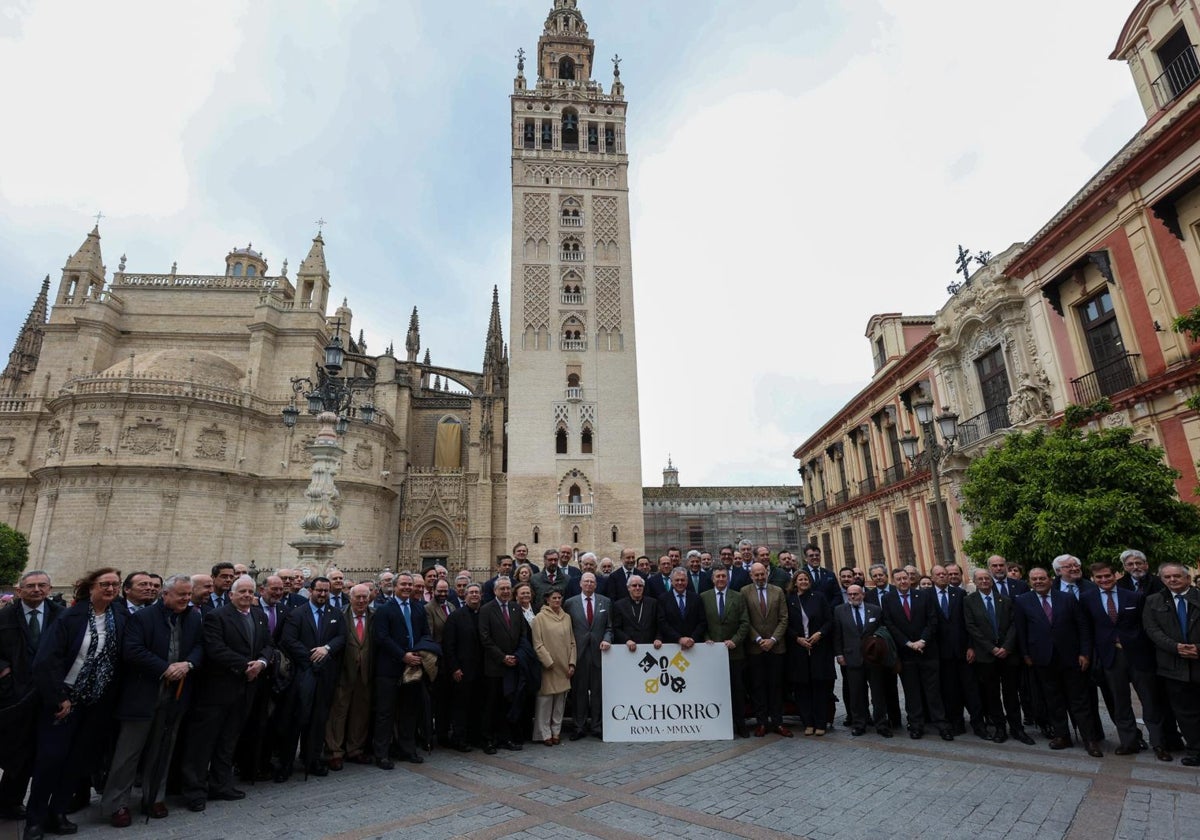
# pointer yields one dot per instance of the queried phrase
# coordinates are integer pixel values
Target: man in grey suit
(854, 621)
(1172, 621)
(591, 619)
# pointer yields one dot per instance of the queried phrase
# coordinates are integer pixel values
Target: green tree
(14, 554)
(1093, 495)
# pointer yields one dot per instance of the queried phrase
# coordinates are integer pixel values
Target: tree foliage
(1093, 495)
(14, 554)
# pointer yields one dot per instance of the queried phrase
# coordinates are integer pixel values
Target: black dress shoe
(1124, 750)
(1024, 737)
(489, 749)
(414, 758)
(1163, 755)
(318, 770)
(947, 735)
(384, 763)
(33, 832)
(1093, 749)
(577, 735)
(59, 824)
(1190, 761)
(1060, 743)
(999, 738)
(886, 733)
(196, 805)
(461, 746)
(280, 777)
(230, 795)
(858, 730)
(510, 746)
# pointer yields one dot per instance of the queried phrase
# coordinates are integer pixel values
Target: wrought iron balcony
(893, 474)
(1178, 76)
(575, 509)
(841, 497)
(987, 422)
(1110, 378)
(867, 485)
(817, 508)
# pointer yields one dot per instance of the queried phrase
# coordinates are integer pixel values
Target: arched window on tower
(614, 533)
(575, 535)
(566, 68)
(575, 495)
(530, 134)
(593, 135)
(585, 442)
(547, 136)
(573, 380)
(537, 532)
(251, 271)
(570, 130)
(238, 269)
(560, 441)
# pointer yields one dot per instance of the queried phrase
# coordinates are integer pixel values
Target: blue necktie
(407, 622)
(1181, 608)
(991, 611)
(682, 605)
(945, 605)
(721, 605)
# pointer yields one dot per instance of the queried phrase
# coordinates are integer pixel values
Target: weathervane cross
(321, 223)
(964, 263)
(98, 217)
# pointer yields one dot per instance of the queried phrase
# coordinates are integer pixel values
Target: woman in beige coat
(554, 643)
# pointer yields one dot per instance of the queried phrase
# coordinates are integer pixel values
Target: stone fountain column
(316, 547)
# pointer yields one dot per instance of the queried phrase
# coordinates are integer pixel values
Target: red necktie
(1046, 608)
(762, 599)
(504, 610)
(907, 609)
(358, 627)
(589, 612)
(446, 607)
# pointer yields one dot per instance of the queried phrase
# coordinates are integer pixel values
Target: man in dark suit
(223, 576)
(339, 598)
(956, 679)
(699, 580)
(635, 619)
(502, 627)
(566, 553)
(680, 612)
(616, 587)
(726, 622)
(1056, 638)
(1171, 619)
(313, 639)
(22, 626)
(137, 592)
(462, 658)
(853, 622)
(993, 639)
(163, 645)
(591, 622)
(401, 633)
(766, 644)
(1137, 577)
(293, 582)
(1002, 584)
(659, 583)
(1124, 656)
(237, 648)
(823, 580)
(504, 569)
(350, 715)
(259, 738)
(911, 616)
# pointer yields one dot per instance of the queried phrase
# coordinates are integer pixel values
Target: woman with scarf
(810, 653)
(76, 673)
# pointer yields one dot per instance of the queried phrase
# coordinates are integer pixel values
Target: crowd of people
(219, 679)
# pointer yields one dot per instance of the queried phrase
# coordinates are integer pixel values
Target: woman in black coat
(76, 674)
(810, 653)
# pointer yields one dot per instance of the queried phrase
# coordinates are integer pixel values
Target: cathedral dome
(181, 365)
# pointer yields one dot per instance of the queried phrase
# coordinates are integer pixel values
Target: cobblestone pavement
(832, 787)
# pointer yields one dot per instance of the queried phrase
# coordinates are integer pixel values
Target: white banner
(667, 694)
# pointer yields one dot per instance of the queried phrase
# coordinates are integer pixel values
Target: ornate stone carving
(435, 539)
(87, 438)
(54, 439)
(608, 299)
(170, 498)
(587, 413)
(211, 443)
(300, 449)
(147, 437)
(537, 297)
(364, 456)
(1029, 402)
(570, 175)
(281, 505)
(605, 227)
(537, 216)
(8, 445)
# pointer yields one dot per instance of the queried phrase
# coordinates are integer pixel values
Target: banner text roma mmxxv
(667, 694)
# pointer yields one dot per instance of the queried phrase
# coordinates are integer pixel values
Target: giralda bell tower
(574, 454)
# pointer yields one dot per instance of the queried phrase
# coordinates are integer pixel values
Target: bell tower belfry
(574, 452)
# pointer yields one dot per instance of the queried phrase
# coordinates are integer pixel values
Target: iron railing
(1179, 75)
(1110, 378)
(987, 422)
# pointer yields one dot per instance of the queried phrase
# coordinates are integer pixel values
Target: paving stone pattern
(821, 788)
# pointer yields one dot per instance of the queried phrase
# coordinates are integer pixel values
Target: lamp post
(947, 424)
(331, 399)
(795, 513)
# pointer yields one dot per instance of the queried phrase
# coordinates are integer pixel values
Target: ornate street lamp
(947, 424)
(331, 398)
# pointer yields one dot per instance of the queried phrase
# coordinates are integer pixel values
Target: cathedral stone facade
(141, 426)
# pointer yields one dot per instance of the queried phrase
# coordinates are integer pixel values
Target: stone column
(316, 547)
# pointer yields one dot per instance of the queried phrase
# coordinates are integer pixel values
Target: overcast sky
(796, 166)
